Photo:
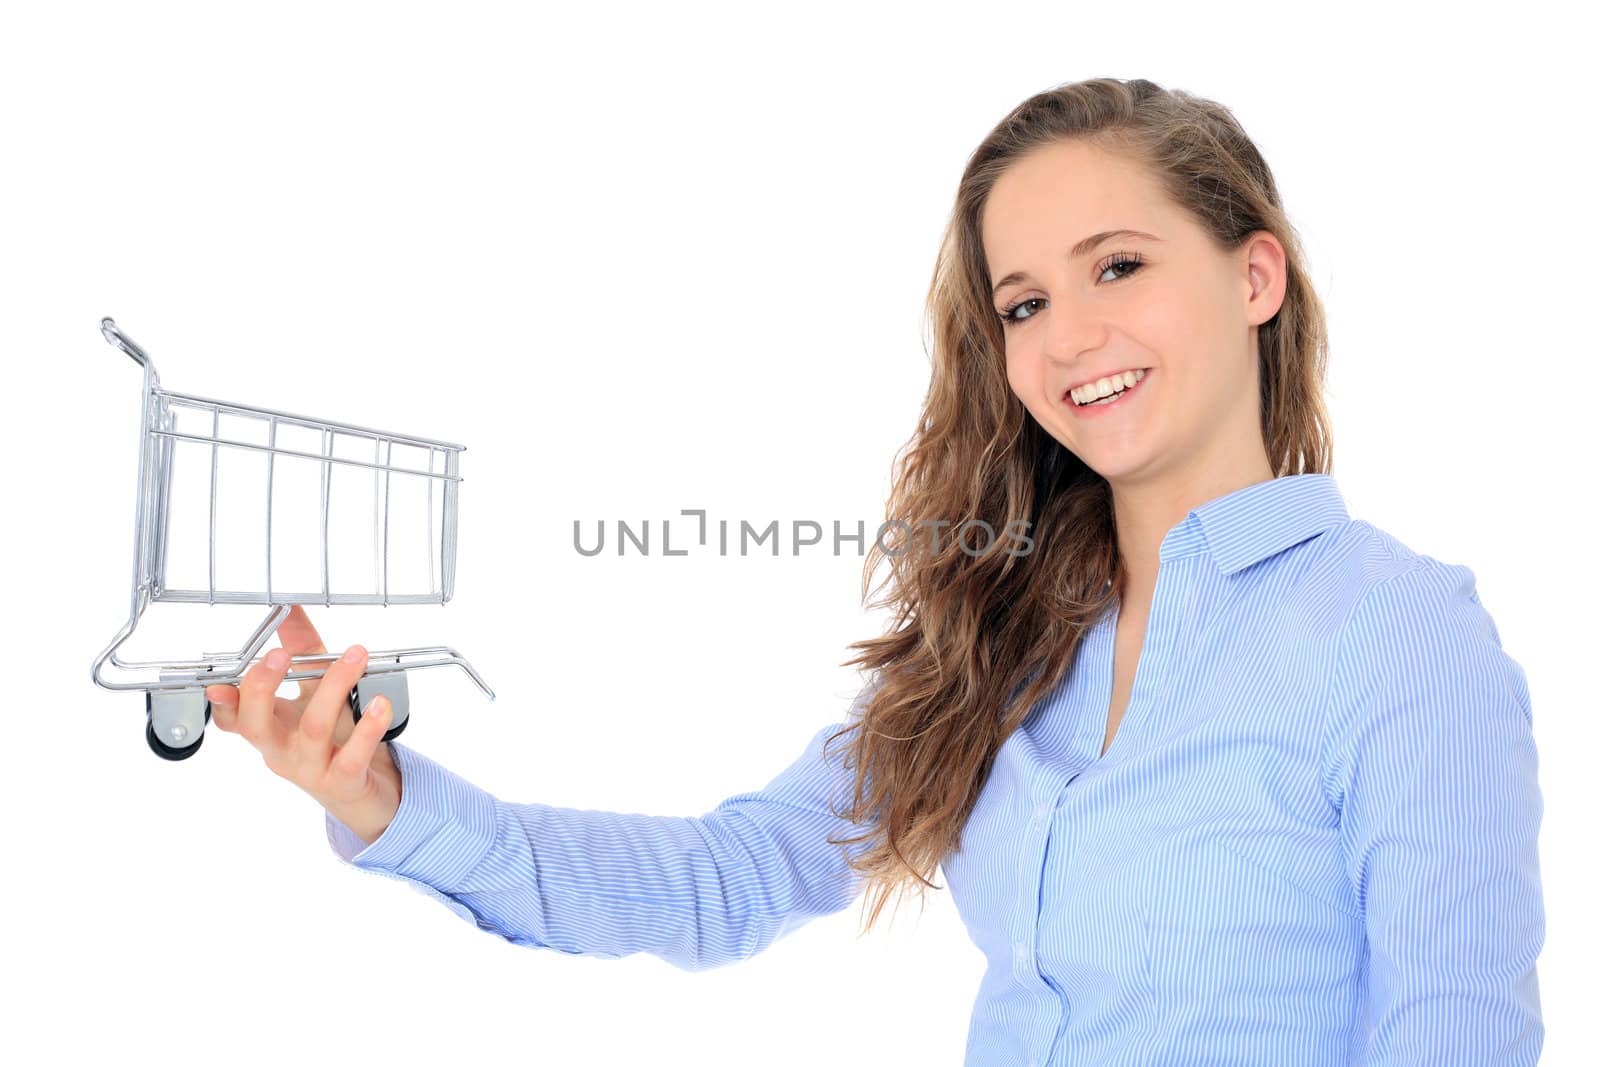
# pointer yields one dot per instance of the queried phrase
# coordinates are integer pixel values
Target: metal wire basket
(176, 708)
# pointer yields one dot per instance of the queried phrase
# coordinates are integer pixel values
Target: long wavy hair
(977, 638)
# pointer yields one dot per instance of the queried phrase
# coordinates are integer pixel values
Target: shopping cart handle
(114, 334)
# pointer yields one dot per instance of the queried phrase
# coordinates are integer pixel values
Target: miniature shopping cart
(176, 709)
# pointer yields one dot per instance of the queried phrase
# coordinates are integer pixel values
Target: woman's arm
(698, 892)
(1429, 755)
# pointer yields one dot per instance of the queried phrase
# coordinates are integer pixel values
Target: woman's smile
(1108, 404)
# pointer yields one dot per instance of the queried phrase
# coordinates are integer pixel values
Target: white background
(646, 259)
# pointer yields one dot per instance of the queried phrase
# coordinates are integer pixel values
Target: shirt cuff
(442, 830)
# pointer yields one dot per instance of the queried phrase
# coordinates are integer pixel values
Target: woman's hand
(313, 740)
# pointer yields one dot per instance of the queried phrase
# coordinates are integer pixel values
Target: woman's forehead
(1058, 197)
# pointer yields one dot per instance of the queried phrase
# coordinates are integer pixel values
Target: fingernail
(377, 707)
(277, 659)
(353, 654)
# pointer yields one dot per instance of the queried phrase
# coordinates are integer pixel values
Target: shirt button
(1040, 815)
(1020, 952)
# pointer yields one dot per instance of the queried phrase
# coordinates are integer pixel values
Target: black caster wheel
(172, 707)
(390, 684)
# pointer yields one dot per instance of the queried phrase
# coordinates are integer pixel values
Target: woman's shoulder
(1363, 581)
(1367, 559)
(1413, 632)
(1392, 596)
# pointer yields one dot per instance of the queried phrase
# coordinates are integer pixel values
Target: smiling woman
(1167, 300)
(1215, 772)
(1281, 773)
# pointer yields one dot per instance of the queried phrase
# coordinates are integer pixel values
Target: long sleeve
(1429, 758)
(698, 892)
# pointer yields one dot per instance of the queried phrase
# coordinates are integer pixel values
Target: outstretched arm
(697, 892)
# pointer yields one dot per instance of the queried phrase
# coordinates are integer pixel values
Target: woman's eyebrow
(1082, 248)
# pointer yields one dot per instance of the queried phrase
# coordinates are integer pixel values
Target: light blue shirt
(1312, 841)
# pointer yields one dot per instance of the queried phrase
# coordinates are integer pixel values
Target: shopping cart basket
(176, 709)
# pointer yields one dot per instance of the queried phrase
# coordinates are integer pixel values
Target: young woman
(1215, 773)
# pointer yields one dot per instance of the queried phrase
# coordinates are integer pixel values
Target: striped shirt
(1312, 841)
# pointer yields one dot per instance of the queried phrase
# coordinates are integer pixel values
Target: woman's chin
(1115, 464)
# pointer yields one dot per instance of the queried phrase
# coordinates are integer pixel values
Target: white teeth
(1115, 383)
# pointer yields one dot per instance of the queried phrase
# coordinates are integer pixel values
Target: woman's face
(1170, 305)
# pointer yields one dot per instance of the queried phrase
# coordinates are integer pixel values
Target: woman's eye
(1009, 316)
(1120, 260)
(1130, 263)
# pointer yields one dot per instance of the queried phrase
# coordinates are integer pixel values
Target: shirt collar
(1249, 524)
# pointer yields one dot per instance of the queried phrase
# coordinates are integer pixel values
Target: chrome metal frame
(156, 446)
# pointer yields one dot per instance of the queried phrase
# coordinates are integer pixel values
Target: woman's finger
(321, 717)
(348, 774)
(224, 706)
(299, 638)
(257, 696)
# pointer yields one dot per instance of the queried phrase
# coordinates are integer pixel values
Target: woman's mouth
(1112, 402)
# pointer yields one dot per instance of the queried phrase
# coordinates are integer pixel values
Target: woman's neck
(1145, 514)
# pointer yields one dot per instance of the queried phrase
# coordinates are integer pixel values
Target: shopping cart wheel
(391, 684)
(175, 715)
